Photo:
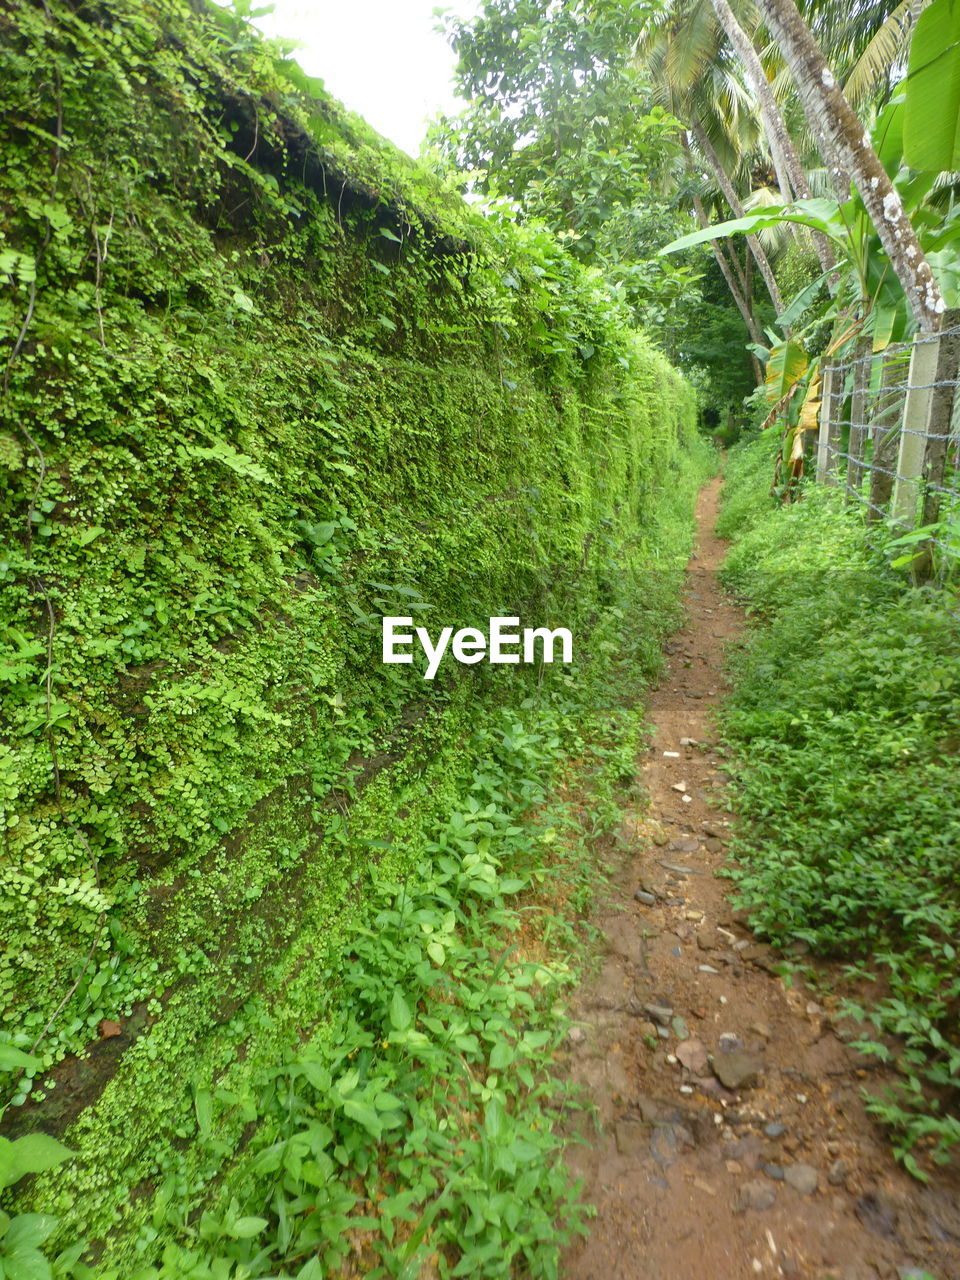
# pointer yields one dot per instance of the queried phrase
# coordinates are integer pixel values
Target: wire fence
(889, 434)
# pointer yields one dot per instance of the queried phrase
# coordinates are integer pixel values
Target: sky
(381, 58)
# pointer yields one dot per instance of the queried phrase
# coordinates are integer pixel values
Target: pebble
(688, 742)
(707, 939)
(679, 786)
(837, 1173)
(672, 755)
(775, 1129)
(686, 1088)
(711, 829)
(577, 1035)
(661, 1013)
(679, 869)
(685, 846)
(648, 899)
(729, 1041)
(754, 1195)
(802, 1177)
(774, 1171)
(663, 1032)
(708, 968)
(687, 799)
(679, 1028)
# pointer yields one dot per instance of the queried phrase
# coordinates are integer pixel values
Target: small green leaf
(400, 1016)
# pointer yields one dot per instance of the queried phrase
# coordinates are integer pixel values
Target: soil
(779, 1171)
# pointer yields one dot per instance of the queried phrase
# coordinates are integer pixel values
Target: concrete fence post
(857, 440)
(828, 437)
(924, 363)
(940, 417)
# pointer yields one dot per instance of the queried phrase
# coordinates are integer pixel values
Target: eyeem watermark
(503, 644)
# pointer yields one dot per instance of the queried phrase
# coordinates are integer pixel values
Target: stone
(692, 1054)
(663, 1032)
(685, 846)
(679, 786)
(754, 1195)
(774, 1171)
(648, 899)
(679, 1028)
(713, 846)
(729, 1041)
(775, 1129)
(711, 829)
(659, 837)
(688, 742)
(707, 939)
(661, 1013)
(109, 1029)
(679, 869)
(577, 1035)
(738, 1069)
(761, 1029)
(802, 1177)
(706, 968)
(837, 1173)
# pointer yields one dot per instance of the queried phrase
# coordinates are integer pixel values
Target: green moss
(274, 383)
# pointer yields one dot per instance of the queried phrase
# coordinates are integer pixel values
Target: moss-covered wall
(264, 381)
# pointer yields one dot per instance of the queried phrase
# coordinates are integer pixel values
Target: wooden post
(857, 440)
(886, 433)
(828, 438)
(924, 365)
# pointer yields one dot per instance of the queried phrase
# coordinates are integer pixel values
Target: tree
(829, 112)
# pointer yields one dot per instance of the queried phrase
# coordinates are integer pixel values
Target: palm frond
(875, 67)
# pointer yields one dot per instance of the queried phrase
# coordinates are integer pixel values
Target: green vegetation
(843, 726)
(264, 382)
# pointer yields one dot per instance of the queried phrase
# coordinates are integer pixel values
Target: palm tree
(848, 145)
(696, 82)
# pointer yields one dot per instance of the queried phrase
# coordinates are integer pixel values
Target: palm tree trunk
(733, 200)
(732, 284)
(823, 100)
(790, 175)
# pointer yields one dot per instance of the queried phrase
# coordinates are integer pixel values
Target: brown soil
(685, 1180)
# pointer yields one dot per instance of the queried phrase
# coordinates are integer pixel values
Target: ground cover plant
(843, 726)
(265, 382)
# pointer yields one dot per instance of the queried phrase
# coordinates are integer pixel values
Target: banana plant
(867, 298)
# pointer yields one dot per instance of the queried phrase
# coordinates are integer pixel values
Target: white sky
(381, 58)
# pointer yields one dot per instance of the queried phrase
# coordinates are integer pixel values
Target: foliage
(847, 775)
(931, 138)
(273, 383)
(563, 126)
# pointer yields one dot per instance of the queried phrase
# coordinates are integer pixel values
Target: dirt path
(776, 1171)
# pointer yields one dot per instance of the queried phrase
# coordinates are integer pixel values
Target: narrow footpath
(734, 1143)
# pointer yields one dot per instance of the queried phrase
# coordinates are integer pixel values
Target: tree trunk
(824, 102)
(733, 200)
(790, 175)
(735, 292)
